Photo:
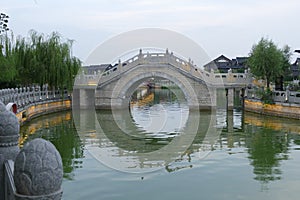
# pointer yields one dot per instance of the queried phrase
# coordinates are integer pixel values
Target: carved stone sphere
(38, 169)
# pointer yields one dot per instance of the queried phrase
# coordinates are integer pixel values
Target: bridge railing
(153, 58)
(278, 96)
(163, 58)
(87, 80)
(286, 96)
(26, 96)
(234, 78)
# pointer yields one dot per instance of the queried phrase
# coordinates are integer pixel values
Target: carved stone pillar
(38, 171)
(9, 137)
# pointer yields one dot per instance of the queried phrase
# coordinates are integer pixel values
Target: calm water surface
(232, 155)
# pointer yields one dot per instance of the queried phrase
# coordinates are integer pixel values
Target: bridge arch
(129, 82)
(112, 88)
(115, 87)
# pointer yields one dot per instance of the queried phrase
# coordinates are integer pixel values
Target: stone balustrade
(291, 97)
(26, 96)
(157, 59)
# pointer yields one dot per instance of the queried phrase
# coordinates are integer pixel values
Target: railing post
(119, 66)
(40, 92)
(32, 94)
(47, 94)
(23, 96)
(35, 172)
(44, 96)
(11, 95)
(141, 57)
(27, 95)
(1, 95)
(53, 93)
(18, 97)
(9, 136)
(38, 171)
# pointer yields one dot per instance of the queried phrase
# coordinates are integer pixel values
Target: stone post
(120, 66)
(40, 93)
(9, 138)
(230, 98)
(53, 92)
(24, 96)
(47, 94)
(38, 172)
(33, 94)
(141, 56)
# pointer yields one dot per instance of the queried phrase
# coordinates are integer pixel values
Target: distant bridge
(113, 88)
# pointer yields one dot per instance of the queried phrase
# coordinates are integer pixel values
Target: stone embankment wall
(43, 108)
(287, 110)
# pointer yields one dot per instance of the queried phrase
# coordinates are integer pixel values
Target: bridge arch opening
(159, 108)
(147, 80)
(127, 85)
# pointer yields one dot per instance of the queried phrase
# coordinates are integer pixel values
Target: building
(223, 64)
(95, 69)
(295, 69)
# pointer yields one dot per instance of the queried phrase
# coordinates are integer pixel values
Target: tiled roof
(223, 63)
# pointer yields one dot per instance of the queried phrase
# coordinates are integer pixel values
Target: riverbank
(38, 109)
(286, 110)
(251, 105)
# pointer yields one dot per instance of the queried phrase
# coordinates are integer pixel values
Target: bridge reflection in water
(155, 131)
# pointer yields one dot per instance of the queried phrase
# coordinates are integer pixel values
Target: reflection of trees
(267, 148)
(296, 139)
(139, 142)
(65, 138)
(69, 146)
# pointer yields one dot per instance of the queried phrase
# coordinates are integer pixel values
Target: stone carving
(9, 137)
(9, 127)
(38, 170)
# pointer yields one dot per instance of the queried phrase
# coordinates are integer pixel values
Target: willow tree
(52, 62)
(8, 70)
(40, 59)
(267, 61)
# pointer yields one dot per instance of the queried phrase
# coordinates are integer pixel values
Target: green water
(238, 156)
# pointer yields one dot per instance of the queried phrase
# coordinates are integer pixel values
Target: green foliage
(286, 52)
(267, 62)
(266, 96)
(38, 59)
(7, 60)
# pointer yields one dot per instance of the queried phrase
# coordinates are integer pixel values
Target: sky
(228, 27)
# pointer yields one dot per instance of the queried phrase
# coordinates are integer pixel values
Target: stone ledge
(36, 110)
(279, 109)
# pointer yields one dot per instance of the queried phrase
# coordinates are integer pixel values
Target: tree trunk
(268, 83)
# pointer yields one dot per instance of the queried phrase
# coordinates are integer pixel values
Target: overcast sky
(228, 27)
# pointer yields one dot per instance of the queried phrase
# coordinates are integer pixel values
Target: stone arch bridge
(114, 87)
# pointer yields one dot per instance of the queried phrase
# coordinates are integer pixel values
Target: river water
(158, 149)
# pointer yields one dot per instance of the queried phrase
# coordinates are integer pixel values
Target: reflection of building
(223, 64)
